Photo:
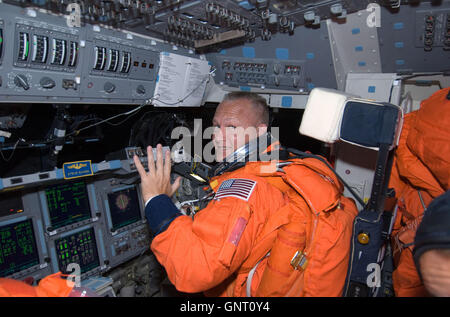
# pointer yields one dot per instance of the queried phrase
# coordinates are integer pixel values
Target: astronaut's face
(235, 125)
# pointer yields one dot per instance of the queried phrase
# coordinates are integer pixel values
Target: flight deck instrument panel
(109, 51)
(50, 223)
(45, 59)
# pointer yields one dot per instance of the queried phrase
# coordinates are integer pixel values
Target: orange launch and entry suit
(50, 286)
(420, 173)
(266, 233)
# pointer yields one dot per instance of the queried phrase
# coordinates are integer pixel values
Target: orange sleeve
(199, 254)
(14, 288)
(50, 286)
(429, 137)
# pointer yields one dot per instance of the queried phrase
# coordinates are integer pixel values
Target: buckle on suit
(299, 260)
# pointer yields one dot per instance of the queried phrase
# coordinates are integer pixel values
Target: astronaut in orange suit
(420, 174)
(207, 254)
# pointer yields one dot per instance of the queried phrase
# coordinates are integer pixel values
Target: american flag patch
(236, 187)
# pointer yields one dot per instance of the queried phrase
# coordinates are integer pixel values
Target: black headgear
(434, 230)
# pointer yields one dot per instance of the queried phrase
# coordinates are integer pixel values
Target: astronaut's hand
(435, 269)
(157, 180)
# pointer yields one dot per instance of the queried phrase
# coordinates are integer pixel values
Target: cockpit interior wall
(82, 88)
(422, 31)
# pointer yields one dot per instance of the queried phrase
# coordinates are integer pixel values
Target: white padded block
(323, 113)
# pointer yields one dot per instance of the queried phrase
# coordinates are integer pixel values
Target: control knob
(109, 87)
(140, 90)
(47, 83)
(21, 81)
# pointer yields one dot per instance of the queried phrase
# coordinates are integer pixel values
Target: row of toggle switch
(434, 25)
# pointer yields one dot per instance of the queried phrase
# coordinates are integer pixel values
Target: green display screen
(18, 249)
(80, 248)
(67, 203)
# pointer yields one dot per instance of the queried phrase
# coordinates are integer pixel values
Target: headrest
(331, 115)
(323, 113)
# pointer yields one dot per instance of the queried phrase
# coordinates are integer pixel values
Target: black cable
(76, 132)
(121, 122)
(12, 153)
(129, 113)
